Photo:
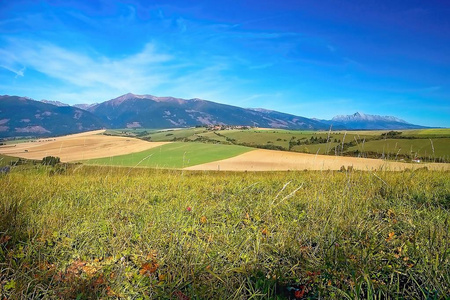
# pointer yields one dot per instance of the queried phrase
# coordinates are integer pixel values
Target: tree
(50, 161)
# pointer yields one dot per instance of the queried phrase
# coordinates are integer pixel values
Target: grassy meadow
(89, 232)
(173, 155)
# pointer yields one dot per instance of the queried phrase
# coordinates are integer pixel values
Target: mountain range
(21, 116)
(164, 112)
(366, 122)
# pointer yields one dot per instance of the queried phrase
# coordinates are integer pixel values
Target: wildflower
(148, 268)
(188, 209)
(391, 236)
(203, 220)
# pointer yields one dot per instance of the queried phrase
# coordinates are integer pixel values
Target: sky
(306, 57)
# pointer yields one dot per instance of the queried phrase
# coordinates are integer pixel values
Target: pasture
(173, 155)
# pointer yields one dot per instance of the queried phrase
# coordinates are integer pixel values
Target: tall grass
(104, 232)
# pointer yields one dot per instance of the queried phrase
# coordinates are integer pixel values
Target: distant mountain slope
(56, 103)
(84, 106)
(364, 121)
(20, 116)
(150, 111)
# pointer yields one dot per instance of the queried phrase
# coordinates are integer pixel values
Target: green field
(107, 233)
(173, 155)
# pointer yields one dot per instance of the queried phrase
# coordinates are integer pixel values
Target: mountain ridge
(149, 111)
(363, 121)
(358, 116)
(37, 118)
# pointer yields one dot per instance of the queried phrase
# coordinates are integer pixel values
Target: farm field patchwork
(428, 144)
(174, 155)
(212, 147)
(106, 232)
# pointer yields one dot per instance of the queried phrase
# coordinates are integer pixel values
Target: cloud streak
(83, 70)
(93, 74)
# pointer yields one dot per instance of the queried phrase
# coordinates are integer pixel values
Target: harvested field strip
(174, 155)
(77, 147)
(270, 160)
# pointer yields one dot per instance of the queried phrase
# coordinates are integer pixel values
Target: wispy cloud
(15, 71)
(83, 70)
(8, 61)
(91, 74)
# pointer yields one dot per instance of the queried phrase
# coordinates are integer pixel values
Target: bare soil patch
(271, 160)
(75, 147)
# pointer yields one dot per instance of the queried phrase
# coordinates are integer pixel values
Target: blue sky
(309, 58)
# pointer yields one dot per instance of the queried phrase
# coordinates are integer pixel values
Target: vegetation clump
(50, 161)
(391, 134)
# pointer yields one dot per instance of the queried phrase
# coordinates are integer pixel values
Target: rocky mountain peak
(55, 103)
(358, 116)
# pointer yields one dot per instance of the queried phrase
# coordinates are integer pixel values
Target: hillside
(20, 116)
(133, 111)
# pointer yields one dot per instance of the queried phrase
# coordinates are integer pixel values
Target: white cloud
(85, 71)
(88, 76)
